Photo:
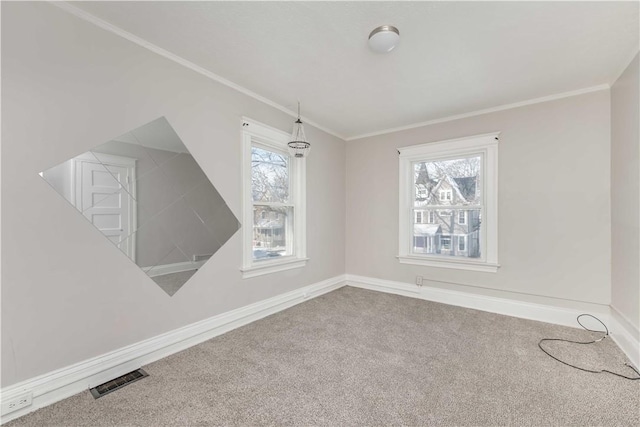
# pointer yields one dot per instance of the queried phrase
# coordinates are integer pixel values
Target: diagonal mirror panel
(149, 197)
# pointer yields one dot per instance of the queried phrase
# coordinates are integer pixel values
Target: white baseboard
(62, 383)
(176, 267)
(541, 312)
(623, 333)
(626, 335)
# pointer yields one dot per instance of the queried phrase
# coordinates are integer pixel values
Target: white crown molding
(62, 383)
(484, 111)
(625, 64)
(84, 15)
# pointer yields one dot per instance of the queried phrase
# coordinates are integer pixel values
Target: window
(461, 178)
(462, 243)
(418, 217)
(445, 195)
(445, 242)
(462, 217)
(273, 202)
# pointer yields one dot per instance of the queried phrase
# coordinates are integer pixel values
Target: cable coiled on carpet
(606, 334)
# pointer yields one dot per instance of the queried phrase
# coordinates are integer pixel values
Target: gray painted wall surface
(625, 193)
(554, 216)
(67, 294)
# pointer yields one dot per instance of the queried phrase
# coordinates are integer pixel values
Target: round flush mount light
(384, 38)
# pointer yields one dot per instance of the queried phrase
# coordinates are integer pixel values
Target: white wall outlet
(419, 280)
(16, 403)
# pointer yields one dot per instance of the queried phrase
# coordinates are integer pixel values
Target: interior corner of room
(178, 187)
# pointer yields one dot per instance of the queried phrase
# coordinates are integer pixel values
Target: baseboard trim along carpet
(60, 384)
(66, 382)
(178, 267)
(625, 335)
(622, 332)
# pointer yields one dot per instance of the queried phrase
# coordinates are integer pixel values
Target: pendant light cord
(606, 334)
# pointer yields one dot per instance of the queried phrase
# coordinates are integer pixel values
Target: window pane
(442, 234)
(269, 176)
(448, 182)
(272, 232)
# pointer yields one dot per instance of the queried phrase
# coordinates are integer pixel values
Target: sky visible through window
(269, 176)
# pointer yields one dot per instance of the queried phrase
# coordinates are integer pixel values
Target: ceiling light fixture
(384, 38)
(299, 146)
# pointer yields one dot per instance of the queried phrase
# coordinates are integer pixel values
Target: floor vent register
(117, 383)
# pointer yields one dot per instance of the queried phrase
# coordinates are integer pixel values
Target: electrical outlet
(419, 280)
(16, 403)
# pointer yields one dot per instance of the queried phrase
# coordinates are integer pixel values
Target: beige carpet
(356, 357)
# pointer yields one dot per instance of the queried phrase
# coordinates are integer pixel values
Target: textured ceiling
(453, 57)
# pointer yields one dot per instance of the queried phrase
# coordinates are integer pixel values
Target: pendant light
(299, 146)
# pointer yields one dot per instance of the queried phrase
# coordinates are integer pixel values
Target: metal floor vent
(117, 383)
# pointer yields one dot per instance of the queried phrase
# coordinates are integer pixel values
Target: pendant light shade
(299, 146)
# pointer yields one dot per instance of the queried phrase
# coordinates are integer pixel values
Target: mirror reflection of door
(146, 194)
(101, 194)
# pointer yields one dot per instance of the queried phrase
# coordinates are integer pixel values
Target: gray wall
(625, 194)
(554, 216)
(67, 295)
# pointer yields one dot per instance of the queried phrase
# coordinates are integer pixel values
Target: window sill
(273, 266)
(458, 265)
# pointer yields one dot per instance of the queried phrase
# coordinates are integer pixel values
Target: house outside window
(274, 202)
(459, 178)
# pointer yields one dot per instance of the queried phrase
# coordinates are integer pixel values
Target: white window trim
(462, 238)
(447, 195)
(464, 216)
(255, 132)
(487, 145)
(448, 237)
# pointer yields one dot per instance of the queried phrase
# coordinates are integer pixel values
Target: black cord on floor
(606, 334)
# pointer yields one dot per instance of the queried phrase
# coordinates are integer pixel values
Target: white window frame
(464, 217)
(462, 239)
(447, 195)
(485, 145)
(419, 214)
(449, 238)
(264, 136)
